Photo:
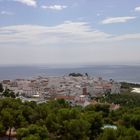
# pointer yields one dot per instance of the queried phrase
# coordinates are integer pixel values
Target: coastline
(129, 74)
(135, 90)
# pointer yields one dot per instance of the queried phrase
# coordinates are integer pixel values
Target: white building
(115, 88)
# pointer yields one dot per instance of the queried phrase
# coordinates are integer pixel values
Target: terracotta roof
(65, 97)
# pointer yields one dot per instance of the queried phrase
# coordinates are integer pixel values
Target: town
(74, 88)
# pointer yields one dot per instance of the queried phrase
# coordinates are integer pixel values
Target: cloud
(80, 33)
(137, 9)
(28, 2)
(54, 7)
(66, 43)
(112, 20)
(6, 13)
(68, 32)
(135, 36)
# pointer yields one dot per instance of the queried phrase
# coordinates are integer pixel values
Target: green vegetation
(125, 99)
(129, 85)
(75, 74)
(57, 120)
(1, 87)
(7, 92)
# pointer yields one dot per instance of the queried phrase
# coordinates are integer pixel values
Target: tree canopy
(58, 120)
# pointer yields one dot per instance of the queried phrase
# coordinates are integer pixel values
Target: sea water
(115, 72)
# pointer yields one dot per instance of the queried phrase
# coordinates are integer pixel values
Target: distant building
(6, 81)
(115, 88)
(81, 87)
(109, 126)
(69, 99)
(114, 106)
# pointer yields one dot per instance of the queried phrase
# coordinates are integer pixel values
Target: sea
(127, 73)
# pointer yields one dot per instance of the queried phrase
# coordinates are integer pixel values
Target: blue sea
(116, 72)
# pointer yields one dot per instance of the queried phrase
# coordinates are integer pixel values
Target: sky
(69, 32)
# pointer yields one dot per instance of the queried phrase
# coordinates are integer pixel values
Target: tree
(124, 133)
(2, 129)
(9, 93)
(75, 129)
(95, 121)
(76, 74)
(32, 132)
(1, 87)
(108, 134)
(31, 137)
(8, 120)
(135, 121)
(103, 108)
(11, 114)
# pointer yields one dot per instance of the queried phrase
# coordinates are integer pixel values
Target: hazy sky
(69, 32)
